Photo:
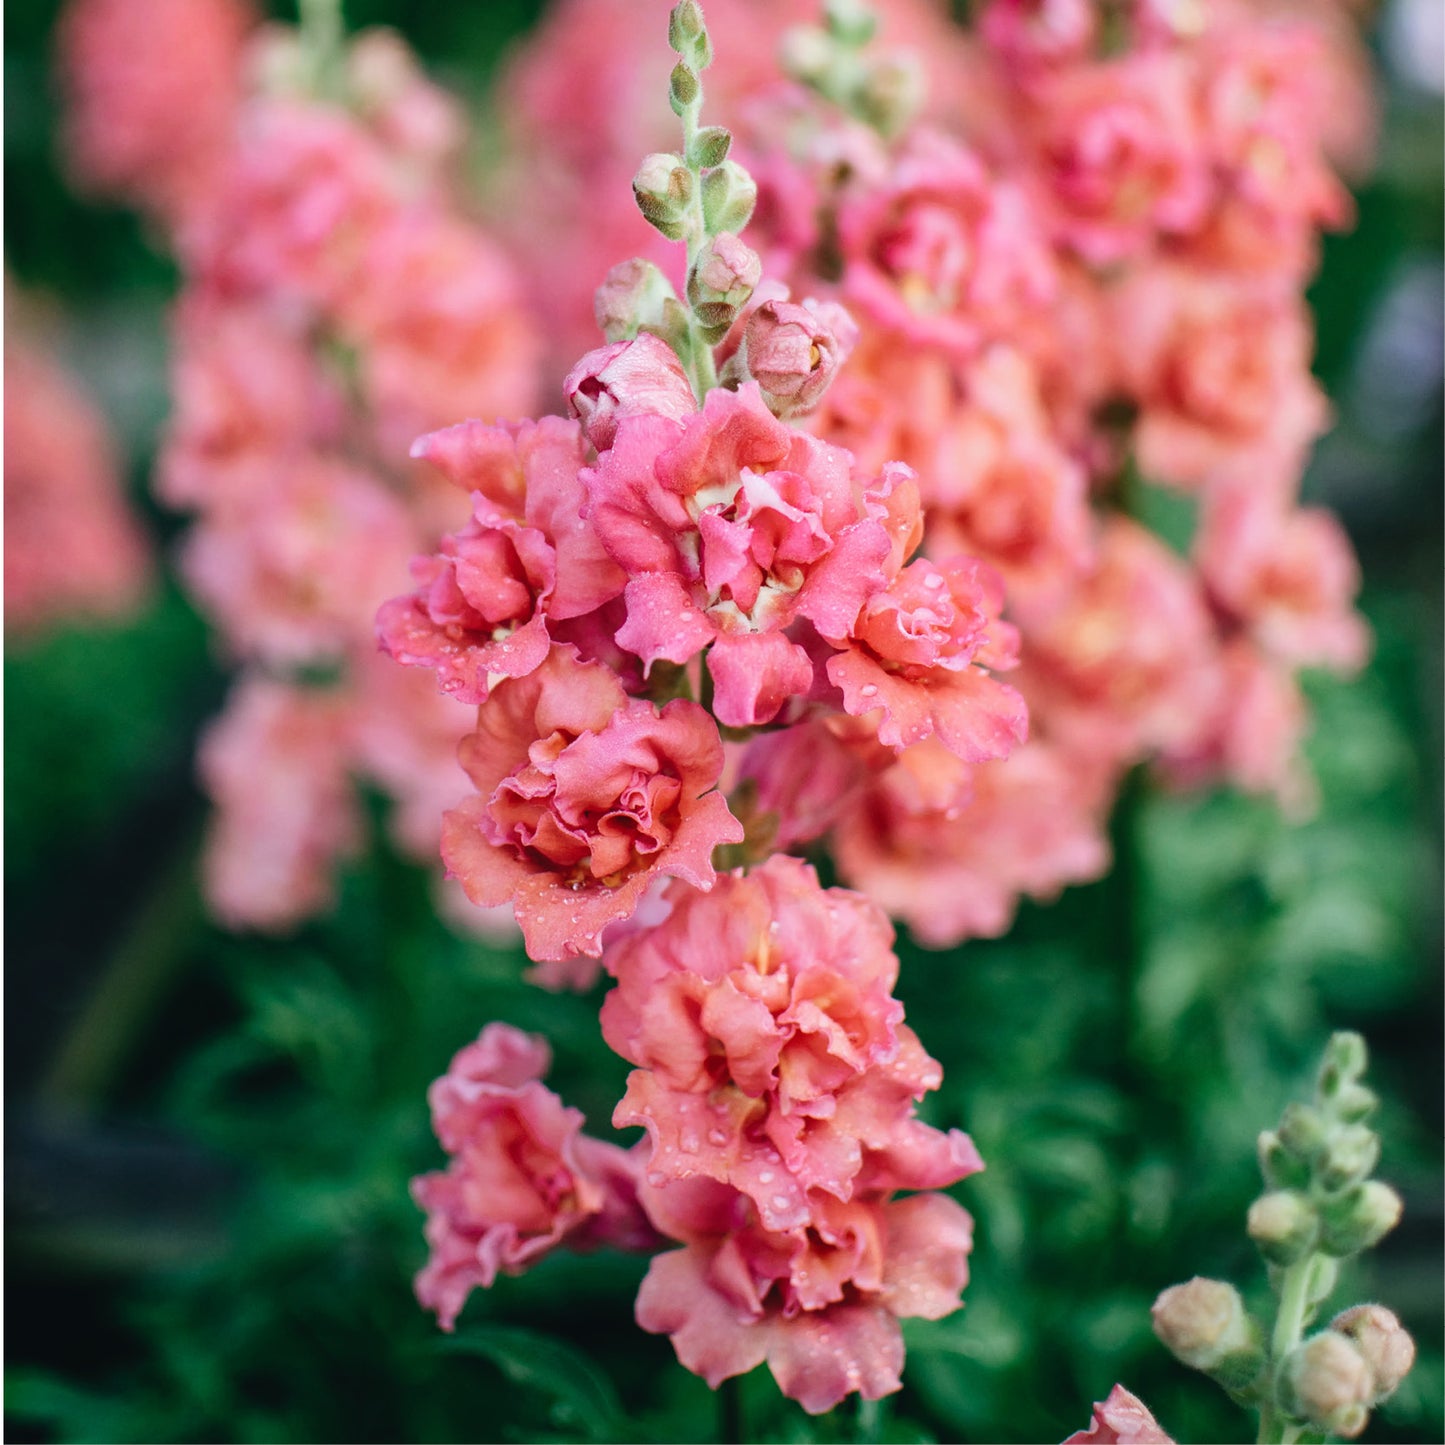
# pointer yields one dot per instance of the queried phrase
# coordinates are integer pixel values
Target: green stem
(1289, 1324)
(870, 1421)
(701, 368)
(322, 34)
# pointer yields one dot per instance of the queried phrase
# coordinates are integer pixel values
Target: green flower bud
(1346, 1058)
(1281, 1170)
(685, 26)
(729, 194)
(1351, 1154)
(631, 296)
(1354, 1103)
(1328, 1382)
(1324, 1274)
(1302, 1131)
(683, 87)
(1382, 1340)
(850, 22)
(663, 188)
(710, 146)
(1203, 1324)
(892, 93)
(1284, 1226)
(1359, 1218)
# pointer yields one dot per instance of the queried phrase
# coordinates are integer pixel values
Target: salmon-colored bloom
(1122, 1419)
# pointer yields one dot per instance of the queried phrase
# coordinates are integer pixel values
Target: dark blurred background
(208, 1136)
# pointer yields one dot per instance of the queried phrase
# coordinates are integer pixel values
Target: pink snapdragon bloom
(305, 192)
(248, 400)
(294, 573)
(1030, 34)
(523, 1178)
(275, 764)
(1127, 667)
(731, 526)
(820, 1305)
(1254, 733)
(151, 133)
(916, 655)
(1288, 574)
(1004, 490)
(772, 1056)
(1118, 154)
(953, 861)
(941, 252)
(583, 798)
(629, 378)
(794, 352)
(489, 600)
(439, 328)
(1122, 1419)
(1220, 368)
(72, 546)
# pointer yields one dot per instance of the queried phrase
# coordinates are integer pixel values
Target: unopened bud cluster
(883, 89)
(1320, 1206)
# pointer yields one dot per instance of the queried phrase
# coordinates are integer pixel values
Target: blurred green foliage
(209, 1227)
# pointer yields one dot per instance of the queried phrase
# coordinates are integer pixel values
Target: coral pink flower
(1118, 154)
(772, 1055)
(1003, 489)
(916, 654)
(584, 797)
(1220, 369)
(626, 379)
(1289, 574)
(941, 252)
(732, 525)
(1127, 667)
(953, 862)
(821, 1306)
(523, 1178)
(295, 572)
(794, 352)
(72, 547)
(248, 397)
(275, 764)
(1122, 1419)
(439, 327)
(488, 601)
(305, 192)
(154, 134)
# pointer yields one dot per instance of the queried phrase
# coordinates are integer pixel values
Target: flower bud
(1284, 1226)
(1354, 1103)
(1203, 1324)
(663, 188)
(721, 281)
(851, 22)
(806, 54)
(631, 296)
(1301, 1131)
(1280, 1168)
(613, 382)
(683, 87)
(1352, 1152)
(1359, 1218)
(892, 93)
(710, 146)
(1345, 1060)
(729, 194)
(1328, 1381)
(1382, 1340)
(794, 351)
(685, 26)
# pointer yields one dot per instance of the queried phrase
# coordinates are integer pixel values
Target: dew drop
(780, 1201)
(765, 1177)
(716, 1136)
(869, 691)
(933, 580)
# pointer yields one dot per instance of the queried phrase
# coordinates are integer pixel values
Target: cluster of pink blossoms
(336, 301)
(752, 594)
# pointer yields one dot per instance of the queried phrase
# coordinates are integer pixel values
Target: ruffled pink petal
(754, 674)
(663, 622)
(819, 1357)
(711, 1337)
(929, 1237)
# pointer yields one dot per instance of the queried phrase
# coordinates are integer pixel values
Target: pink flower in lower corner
(584, 797)
(523, 1177)
(1122, 1419)
(917, 655)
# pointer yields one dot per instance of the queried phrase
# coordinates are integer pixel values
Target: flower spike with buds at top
(1319, 1208)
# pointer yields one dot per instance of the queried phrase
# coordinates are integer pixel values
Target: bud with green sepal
(1205, 1325)
(1382, 1340)
(1284, 1225)
(632, 298)
(1358, 1219)
(729, 194)
(664, 188)
(721, 282)
(1281, 1169)
(1349, 1156)
(1329, 1383)
(1302, 1131)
